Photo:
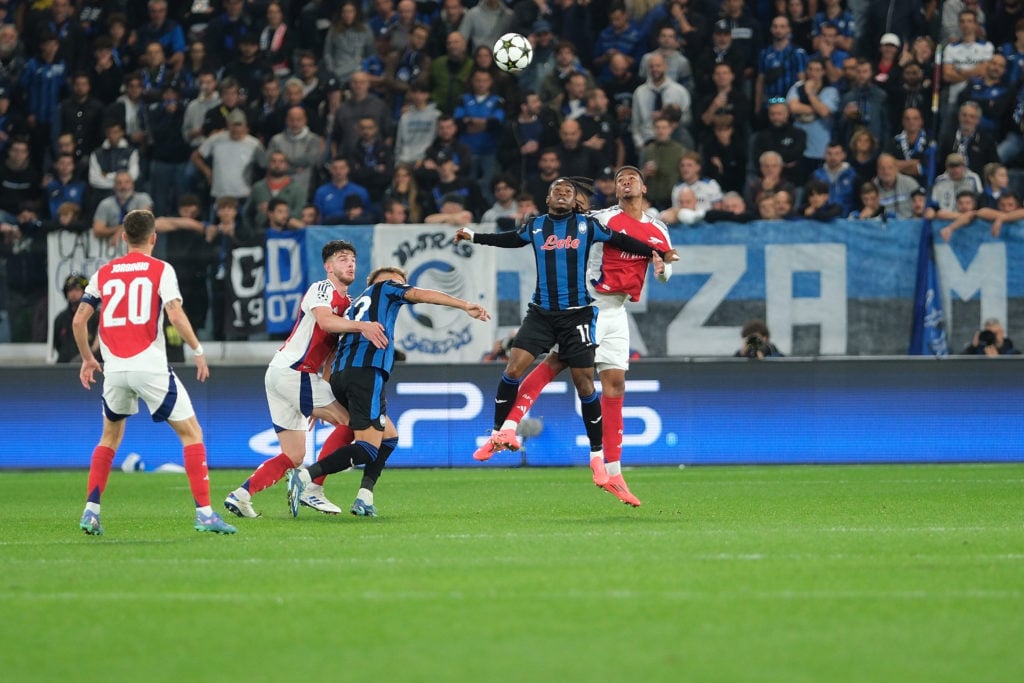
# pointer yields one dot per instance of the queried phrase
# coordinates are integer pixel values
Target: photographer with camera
(991, 340)
(757, 341)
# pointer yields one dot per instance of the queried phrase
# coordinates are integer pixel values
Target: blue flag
(928, 333)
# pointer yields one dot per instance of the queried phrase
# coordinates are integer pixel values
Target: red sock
(341, 436)
(99, 472)
(611, 428)
(268, 474)
(529, 390)
(198, 475)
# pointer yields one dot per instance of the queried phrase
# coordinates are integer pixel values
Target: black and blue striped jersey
(378, 303)
(561, 248)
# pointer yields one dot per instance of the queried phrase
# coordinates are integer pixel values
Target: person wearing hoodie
(839, 176)
(417, 127)
(303, 148)
(485, 22)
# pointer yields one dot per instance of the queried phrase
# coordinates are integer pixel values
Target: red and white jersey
(308, 345)
(613, 271)
(132, 290)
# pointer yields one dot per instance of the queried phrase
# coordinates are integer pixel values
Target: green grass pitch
(830, 573)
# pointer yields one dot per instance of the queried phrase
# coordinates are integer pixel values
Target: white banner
(427, 333)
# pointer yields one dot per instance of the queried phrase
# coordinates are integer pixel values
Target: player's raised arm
(507, 240)
(329, 322)
(418, 295)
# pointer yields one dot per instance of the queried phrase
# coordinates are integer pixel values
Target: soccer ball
(512, 52)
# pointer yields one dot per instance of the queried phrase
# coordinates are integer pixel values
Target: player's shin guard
(341, 436)
(373, 470)
(99, 472)
(504, 399)
(198, 475)
(611, 419)
(530, 389)
(591, 409)
(268, 474)
(353, 455)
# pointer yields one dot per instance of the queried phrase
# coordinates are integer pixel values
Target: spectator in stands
(303, 148)
(313, 24)
(130, 110)
(1013, 50)
(724, 99)
(779, 66)
(865, 105)
(909, 146)
(105, 75)
(207, 99)
(660, 164)
(684, 208)
(356, 213)
(449, 73)
(549, 167)
(894, 188)
(279, 183)
(619, 88)
(725, 154)
(719, 51)
(329, 198)
(746, 34)
(451, 182)
(452, 211)
(481, 114)
(310, 216)
(523, 136)
(833, 14)
(951, 9)
(81, 115)
(504, 191)
(12, 60)
(225, 31)
(228, 159)
(164, 31)
(840, 178)
(349, 41)
(650, 99)
(62, 187)
(169, 154)
(958, 178)
(277, 216)
(383, 15)
(770, 179)
(314, 88)
(768, 207)
(65, 27)
(870, 205)
(571, 102)
(963, 59)
(801, 23)
(817, 206)
(506, 85)
(997, 183)
(277, 40)
(812, 103)
(828, 50)
(184, 238)
(405, 190)
(677, 66)
(222, 237)
(579, 160)
(19, 181)
(690, 25)
(417, 125)
(372, 159)
(707, 191)
(108, 221)
(783, 137)
(909, 94)
(1001, 25)
(566, 64)
(114, 156)
(449, 21)
(154, 73)
(122, 50)
(41, 84)
(993, 96)
(215, 119)
(1007, 209)
(394, 212)
(887, 68)
(405, 67)
(485, 22)
(63, 338)
(360, 104)
(196, 62)
(863, 157)
(600, 130)
(544, 45)
(264, 112)
(975, 145)
(249, 67)
(621, 36)
(445, 145)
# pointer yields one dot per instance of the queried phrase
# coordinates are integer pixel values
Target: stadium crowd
(233, 117)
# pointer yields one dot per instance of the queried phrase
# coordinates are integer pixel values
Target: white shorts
(165, 396)
(612, 338)
(292, 396)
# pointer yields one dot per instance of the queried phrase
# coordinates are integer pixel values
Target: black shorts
(361, 391)
(572, 331)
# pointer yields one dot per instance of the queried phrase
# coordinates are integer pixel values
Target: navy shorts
(572, 330)
(361, 391)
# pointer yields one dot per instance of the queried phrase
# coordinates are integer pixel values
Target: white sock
(205, 509)
(366, 496)
(93, 508)
(241, 494)
(509, 424)
(613, 469)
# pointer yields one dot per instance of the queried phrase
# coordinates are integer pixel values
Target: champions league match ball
(513, 52)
